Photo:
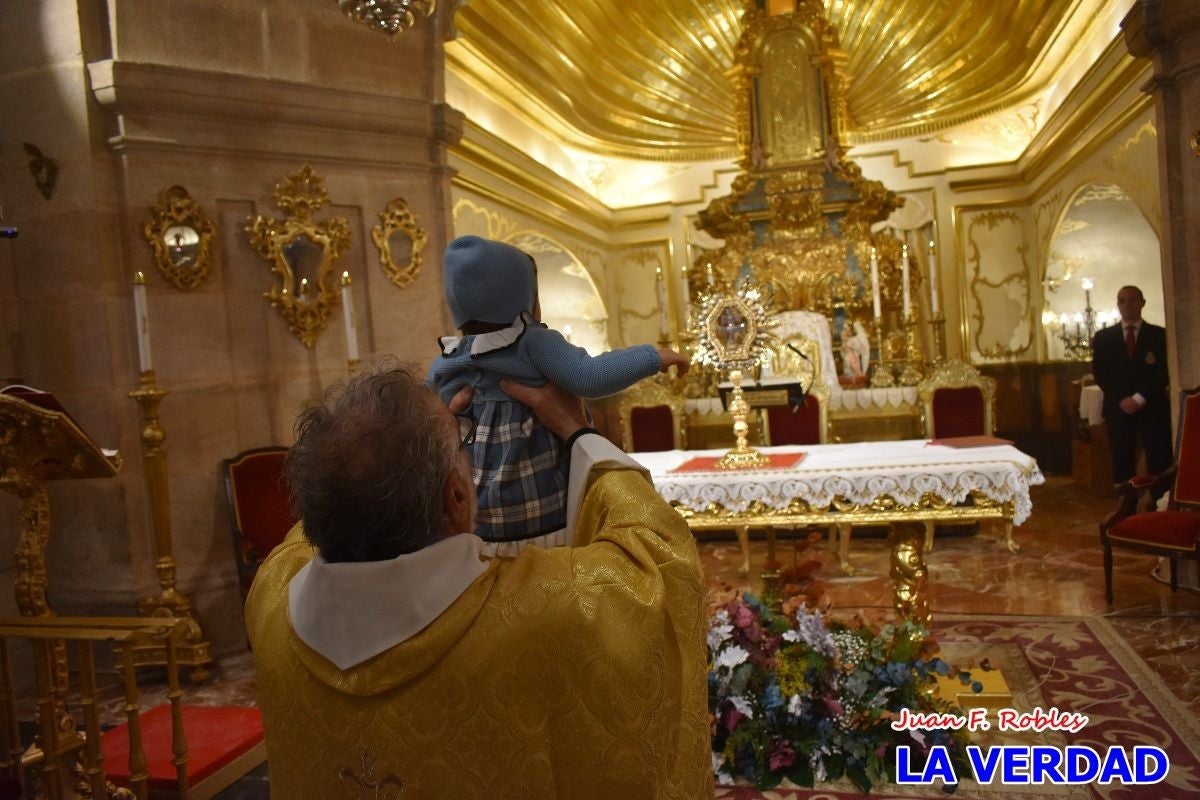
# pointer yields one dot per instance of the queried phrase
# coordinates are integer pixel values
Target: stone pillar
(1168, 31)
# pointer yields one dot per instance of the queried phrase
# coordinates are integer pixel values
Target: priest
(394, 660)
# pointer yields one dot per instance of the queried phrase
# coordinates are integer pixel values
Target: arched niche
(571, 303)
(1103, 237)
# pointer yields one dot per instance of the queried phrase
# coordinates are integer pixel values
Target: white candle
(933, 281)
(875, 284)
(662, 300)
(351, 331)
(142, 319)
(687, 293)
(708, 273)
(904, 278)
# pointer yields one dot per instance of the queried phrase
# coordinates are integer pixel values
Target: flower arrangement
(796, 695)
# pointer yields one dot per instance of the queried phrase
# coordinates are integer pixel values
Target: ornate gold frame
(298, 197)
(651, 393)
(175, 215)
(399, 217)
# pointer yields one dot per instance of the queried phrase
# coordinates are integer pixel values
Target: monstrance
(733, 333)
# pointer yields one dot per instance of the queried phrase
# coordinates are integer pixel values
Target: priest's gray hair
(367, 469)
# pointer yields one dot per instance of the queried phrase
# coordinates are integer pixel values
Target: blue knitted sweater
(531, 353)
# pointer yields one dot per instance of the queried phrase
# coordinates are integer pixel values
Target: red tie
(1130, 339)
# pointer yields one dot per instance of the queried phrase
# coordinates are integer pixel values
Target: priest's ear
(458, 501)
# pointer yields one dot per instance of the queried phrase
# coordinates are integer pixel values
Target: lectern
(40, 442)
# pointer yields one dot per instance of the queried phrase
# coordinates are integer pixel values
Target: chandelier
(388, 16)
(1076, 332)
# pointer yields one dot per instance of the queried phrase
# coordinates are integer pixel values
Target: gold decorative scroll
(181, 235)
(398, 218)
(301, 252)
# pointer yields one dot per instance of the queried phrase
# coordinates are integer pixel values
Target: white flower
(718, 635)
(791, 635)
(795, 705)
(742, 705)
(730, 657)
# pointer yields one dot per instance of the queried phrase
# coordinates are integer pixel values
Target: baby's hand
(668, 358)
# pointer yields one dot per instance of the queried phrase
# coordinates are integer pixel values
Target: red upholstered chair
(1175, 532)
(957, 401)
(259, 506)
(652, 418)
(799, 356)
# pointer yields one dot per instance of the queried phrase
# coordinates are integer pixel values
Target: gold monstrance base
(742, 456)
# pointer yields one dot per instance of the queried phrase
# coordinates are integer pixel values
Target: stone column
(1168, 31)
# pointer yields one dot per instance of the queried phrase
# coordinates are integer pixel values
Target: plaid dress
(519, 467)
(520, 473)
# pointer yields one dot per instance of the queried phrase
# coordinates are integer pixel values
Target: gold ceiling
(647, 80)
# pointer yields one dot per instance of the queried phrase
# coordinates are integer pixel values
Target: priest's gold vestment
(575, 672)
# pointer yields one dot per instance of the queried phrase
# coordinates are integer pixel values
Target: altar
(908, 485)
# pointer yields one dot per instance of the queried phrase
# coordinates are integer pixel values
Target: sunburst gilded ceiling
(649, 81)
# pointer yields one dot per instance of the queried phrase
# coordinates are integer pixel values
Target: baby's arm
(570, 367)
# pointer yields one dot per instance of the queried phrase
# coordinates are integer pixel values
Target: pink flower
(833, 706)
(732, 718)
(743, 617)
(782, 756)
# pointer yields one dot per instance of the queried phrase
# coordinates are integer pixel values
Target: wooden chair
(808, 423)
(652, 418)
(798, 424)
(1175, 532)
(956, 400)
(259, 507)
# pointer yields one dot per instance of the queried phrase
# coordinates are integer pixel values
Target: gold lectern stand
(40, 442)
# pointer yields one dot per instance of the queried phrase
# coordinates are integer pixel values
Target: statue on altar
(856, 354)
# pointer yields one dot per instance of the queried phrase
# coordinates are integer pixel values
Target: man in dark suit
(1129, 362)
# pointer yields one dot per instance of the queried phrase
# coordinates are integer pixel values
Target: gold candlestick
(938, 324)
(169, 602)
(742, 456)
(881, 374)
(911, 374)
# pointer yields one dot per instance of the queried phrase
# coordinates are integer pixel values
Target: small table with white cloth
(907, 485)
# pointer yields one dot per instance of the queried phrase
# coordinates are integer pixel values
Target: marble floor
(1058, 571)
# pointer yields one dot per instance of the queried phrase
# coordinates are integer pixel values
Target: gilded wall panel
(999, 253)
(571, 277)
(642, 310)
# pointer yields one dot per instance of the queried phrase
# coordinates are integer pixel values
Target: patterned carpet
(1077, 664)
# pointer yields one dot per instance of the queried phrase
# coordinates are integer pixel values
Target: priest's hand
(558, 410)
(462, 400)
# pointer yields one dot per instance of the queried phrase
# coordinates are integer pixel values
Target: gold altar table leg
(743, 535)
(843, 530)
(909, 576)
(1012, 546)
(928, 536)
(770, 574)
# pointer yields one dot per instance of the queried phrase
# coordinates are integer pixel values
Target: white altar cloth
(860, 472)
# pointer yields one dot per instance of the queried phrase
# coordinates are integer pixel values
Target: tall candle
(708, 273)
(933, 281)
(662, 300)
(904, 278)
(351, 329)
(142, 319)
(687, 293)
(875, 284)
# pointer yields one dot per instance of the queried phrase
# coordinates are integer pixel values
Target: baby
(520, 468)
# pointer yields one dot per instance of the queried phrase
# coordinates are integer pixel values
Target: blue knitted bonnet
(487, 281)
